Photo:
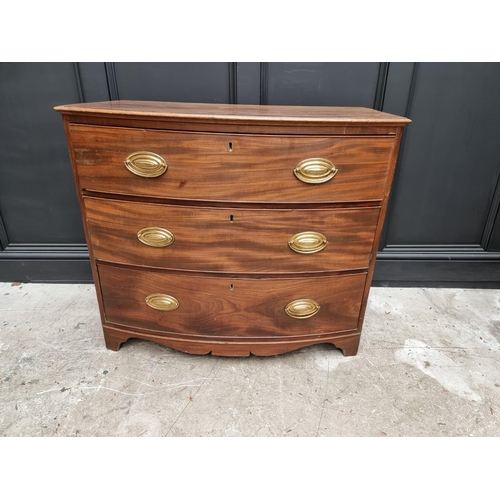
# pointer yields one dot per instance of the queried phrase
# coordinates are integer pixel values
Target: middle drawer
(234, 240)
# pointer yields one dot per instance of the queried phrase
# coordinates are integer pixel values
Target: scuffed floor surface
(428, 365)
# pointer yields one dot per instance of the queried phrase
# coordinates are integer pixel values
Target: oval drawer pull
(302, 308)
(308, 242)
(315, 170)
(155, 236)
(162, 302)
(146, 164)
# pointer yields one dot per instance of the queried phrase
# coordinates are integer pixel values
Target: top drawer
(223, 167)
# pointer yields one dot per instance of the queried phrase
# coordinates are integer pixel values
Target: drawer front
(230, 307)
(231, 167)
(230, 240)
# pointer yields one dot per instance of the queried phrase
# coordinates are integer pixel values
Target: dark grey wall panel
(93, 81)
(38, 200)
(322, 84)
(491, 235)
(398, 87)
(450, 160)
(248, 82)
(397, 100)
(442, 226)
(43, 270)
(438, 273)
(494, 243)
(185, 82)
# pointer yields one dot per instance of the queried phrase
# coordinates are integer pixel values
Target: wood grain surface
(258, 169)
(228, 239)
(116, 336)
(182, 111)
(230, 307)
(232, 201)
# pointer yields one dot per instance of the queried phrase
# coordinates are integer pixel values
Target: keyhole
(231, 218)
(231, 287)
(230, 146)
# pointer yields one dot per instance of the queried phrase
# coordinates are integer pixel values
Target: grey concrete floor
(428, 365)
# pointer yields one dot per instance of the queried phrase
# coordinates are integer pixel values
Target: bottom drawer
(230, 307)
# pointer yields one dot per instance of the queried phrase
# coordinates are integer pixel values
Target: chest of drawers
(232, 229)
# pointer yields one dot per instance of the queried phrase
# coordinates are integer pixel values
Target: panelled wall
(442, 227)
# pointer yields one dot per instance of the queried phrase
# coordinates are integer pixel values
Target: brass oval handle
(308, 242)
(302, 308)
(146, 164)
(315, 170)
(162, 302)
(155, 236)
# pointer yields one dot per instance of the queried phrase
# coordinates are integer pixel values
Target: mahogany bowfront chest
(232, 229)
